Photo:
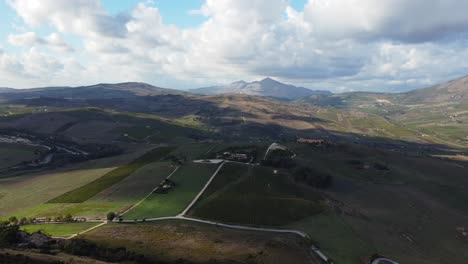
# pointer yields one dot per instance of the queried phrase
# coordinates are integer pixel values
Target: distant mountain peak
(269, 80)
(267, 87)
(241, 82)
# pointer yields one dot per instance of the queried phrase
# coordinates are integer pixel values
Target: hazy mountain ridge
(266, 87)
(97, 91)
(455, 91)
(452, 91)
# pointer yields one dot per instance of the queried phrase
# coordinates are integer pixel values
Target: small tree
(23, 221)
(68, 218)
(13, 220)
(110, 216)
(8, 234)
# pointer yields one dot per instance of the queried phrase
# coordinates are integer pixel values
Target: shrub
(13, 220)
(8, 234)
(312, 177)
(68, 218)
(23, 221)
(110, 216)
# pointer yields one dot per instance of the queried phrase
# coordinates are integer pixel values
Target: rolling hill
(266, 87)
(98, 91)
(439, 111)
(452, 92)
(396, 165)
(245, 116)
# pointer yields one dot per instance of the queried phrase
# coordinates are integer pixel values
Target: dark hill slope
(98, 91)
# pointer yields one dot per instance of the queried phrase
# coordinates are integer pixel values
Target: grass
(256, 196)
(13, 154)
(89, 190)
(258, 148)
(409, 212)
(176, 241)
(27, 195)
(189, 179)
(193, 151)
(335, 237)
(22, 194)
(59, 230)
(117, 198)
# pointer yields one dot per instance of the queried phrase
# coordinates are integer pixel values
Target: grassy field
(258, 148)
(14, 256)
(410, 211)
(407, 207)
(13, 154)
(189, 179)
(335, 237)
(89, 190)
(193, 151)
(116, 198)
(180, 240)
(256, 196)
(21, 196)
(59, 230)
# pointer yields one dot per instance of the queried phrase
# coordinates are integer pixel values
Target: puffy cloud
(413, 21)
(331, 44)
(81, 17)
(29, 39)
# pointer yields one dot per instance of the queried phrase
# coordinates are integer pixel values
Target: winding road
(181, 216)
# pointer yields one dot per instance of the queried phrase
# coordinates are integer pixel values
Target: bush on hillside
(8, 234)
(110, 216)
(279, 162)
(312, 177)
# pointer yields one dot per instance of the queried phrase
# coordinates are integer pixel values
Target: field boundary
(148, 195)
(91, 189)
(202, 190)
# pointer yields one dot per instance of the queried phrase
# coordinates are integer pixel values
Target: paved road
(181, 216)
(241, 227)
(383, 261)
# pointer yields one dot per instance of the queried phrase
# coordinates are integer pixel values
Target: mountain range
(266, 87)
(452, 92)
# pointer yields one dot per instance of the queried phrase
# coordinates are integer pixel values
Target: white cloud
(414, 21)
(81, 17)
(53, 41)
(331, 44)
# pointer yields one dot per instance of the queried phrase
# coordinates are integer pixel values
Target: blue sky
(338, 45)
(177, 14)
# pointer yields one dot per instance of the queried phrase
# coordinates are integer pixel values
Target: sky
(336, 45)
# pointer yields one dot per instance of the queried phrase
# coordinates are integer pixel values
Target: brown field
(173, 240)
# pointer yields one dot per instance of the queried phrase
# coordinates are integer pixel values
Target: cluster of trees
(8, 234)
(10, 237)
(279, 158)
(80, 247)
(312, 177)
(176, 160)
(24, 221)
